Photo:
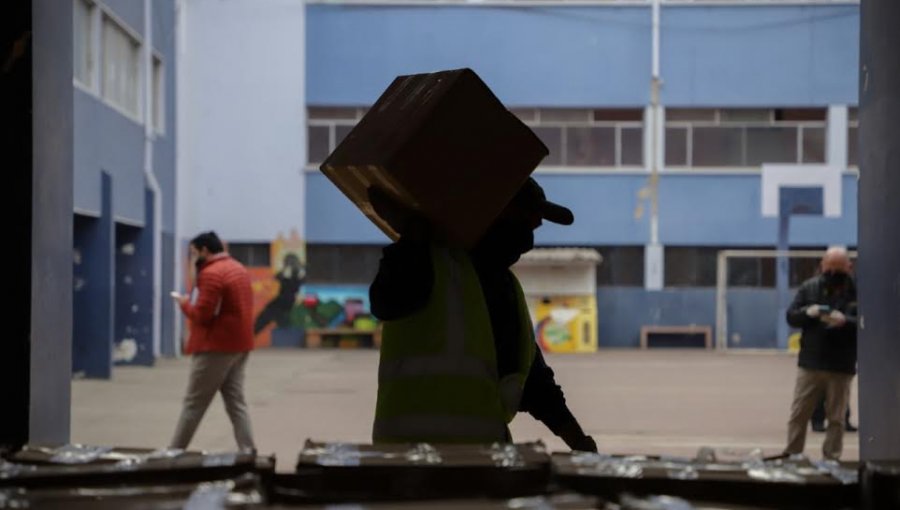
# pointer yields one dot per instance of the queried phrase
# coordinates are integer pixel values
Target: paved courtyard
(657, 401)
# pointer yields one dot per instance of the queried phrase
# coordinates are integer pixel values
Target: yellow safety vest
(437, 378)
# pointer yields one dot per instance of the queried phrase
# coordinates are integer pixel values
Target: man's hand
(585, 443)
(836, 319)
(813, 311)
(576, 439)
(180, 299)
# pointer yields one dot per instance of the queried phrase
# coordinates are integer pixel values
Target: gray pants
(811, 386)
(213, 372)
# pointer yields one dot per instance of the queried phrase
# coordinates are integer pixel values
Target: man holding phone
(825, 309)
(221, 338)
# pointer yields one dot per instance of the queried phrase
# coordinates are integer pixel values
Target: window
(744, 137)
(761, 271)
(575, 137)
(251, 254)
(604, 138)
(690, 267)
(318, 144)
(698, 267)
(121, 68)
(622, 266)
(158, 97)
(853, 137)
(342, 263)
(82, 44)
(326, 128)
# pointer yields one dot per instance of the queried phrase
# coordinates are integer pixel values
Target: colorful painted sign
(565, 323)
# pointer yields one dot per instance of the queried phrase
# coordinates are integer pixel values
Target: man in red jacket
(221, 337)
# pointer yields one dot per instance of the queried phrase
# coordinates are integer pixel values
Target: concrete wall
(242, 100)
(51, 224)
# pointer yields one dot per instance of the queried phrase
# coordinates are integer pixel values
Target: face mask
(835, 278)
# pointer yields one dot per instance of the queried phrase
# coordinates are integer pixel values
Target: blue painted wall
(695, 210)
(527, 55)
(621, 311)
(724, 210)
(752, 314)
(591, 56)
(108, 141)
(93, 299)
(134, 289)
(760, 55)
(753, 318)
(164, 143)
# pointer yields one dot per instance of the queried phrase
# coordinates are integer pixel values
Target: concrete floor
(653, 402)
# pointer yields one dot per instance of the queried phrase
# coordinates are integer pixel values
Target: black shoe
(818, 427)
(850, 428)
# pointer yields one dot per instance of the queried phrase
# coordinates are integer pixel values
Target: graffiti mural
(336, 316)
(289, 312)
(275, 292)
(292, 313)
(565, 323)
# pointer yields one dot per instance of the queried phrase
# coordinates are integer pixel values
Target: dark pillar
(16, 98)
(879, 223)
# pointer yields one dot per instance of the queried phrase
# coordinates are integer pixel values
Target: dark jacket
(403, 286)
(821, 347)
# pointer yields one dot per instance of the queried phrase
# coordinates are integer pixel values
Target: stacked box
(776, 483)
(443, 146)
(92, 466)
(341, 472)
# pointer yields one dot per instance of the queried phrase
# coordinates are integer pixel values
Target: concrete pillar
(879, 221)
(51, 242)
(36, 92)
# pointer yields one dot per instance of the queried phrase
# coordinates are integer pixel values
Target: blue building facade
(124, 183)
(743, 85)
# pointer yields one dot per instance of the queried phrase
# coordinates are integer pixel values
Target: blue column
(783, 277)
(94, 292)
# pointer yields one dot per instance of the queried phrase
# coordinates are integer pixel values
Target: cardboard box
(782, 483)
(91, 466)
(242, 492)
(442, 145)
(341, 472)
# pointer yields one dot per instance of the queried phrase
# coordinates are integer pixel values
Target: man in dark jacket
(825, 309)
(406, 278)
